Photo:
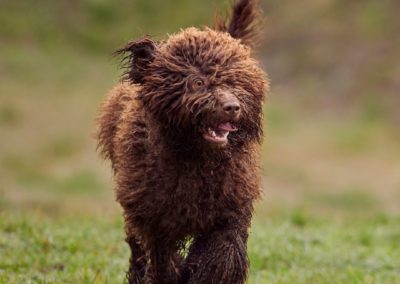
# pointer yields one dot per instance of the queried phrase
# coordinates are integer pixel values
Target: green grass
(325, 250)
(35, 248)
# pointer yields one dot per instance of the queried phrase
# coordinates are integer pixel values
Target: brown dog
(182, 133)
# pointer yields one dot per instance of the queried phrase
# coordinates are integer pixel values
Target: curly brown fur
(182, 133)
(244, 23)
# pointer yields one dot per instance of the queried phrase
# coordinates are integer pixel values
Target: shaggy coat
(182, 132)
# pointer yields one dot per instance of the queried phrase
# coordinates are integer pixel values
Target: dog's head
(204, 81)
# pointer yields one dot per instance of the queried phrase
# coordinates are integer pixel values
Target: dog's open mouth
(219, 134)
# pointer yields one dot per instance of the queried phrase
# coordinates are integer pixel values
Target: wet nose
(231, 108)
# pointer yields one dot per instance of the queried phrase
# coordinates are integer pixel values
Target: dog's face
(202, 80)
(203, 83)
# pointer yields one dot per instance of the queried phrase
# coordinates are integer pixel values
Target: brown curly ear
(244, 23)
(137, 56)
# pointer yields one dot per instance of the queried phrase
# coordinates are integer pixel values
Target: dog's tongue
(227, 127)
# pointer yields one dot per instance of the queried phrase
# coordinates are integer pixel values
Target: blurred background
(332, 132)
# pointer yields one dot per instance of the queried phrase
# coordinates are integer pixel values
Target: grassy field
(331, 157)
(291, 247)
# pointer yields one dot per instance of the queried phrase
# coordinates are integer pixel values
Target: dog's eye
(198, 83)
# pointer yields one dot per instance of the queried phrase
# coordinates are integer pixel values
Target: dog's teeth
(212, 132)
(225, 134)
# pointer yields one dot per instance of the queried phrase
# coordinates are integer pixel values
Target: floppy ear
(137, 57)
(245, 22)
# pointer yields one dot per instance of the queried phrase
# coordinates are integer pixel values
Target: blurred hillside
(334, 67)
(340, 54)
(332, 53)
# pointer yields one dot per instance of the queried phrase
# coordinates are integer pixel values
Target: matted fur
(174, 185)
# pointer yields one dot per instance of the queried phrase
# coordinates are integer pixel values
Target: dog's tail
(244, 23)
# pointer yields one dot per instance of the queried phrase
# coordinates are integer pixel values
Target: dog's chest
(191, 198)
(200, 199)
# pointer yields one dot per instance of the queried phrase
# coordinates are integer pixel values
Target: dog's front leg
(164, 265)
(137, 262)
(220, 257)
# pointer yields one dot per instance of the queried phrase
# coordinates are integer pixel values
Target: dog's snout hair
(216, 105)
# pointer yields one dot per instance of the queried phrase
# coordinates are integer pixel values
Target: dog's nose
(231, 108)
